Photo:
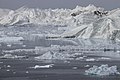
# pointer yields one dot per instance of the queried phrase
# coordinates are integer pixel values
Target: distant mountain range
(81, 22)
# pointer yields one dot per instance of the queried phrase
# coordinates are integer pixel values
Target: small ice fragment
(104, 58)
(92, 59)
(118, 51)
(45, 66)
(9, 45)
(0, 68)
(7, 70)
(27, 72)
(8, 66)
(80, 58)
(74, 68)
(10, 56)
(23, 45)
(87, 65)
(14, 72)
(84, 56)
(7, 56)
(66, 61)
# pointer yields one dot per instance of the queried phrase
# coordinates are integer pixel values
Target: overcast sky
(14, 4)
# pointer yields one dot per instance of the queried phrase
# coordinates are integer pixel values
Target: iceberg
(53, 55)
(45, 66)
(103, 70)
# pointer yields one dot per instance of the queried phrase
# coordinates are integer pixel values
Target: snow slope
(4, 12)
(81, 22)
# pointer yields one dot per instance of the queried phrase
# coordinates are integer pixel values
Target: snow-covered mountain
(81, 22)
(4, 12)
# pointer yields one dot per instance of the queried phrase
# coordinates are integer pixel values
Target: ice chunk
(104, 58)
(9, 45)
(14, 72)
(10, 56)
(7, 56)
(19, 51)
(80, 58)
(103, 70)
(74, 67)
(91, 59)
(45, 66)
(8, 70)
(53, 55)
(8, 66)
(87, 65)
(27, 72)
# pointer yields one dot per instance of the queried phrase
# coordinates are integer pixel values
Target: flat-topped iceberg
(44, 66)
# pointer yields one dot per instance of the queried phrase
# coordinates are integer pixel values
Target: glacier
(81, 22)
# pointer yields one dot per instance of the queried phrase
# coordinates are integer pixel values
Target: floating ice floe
(75, 68)
(19, 50)
(14, 72)
(87, 65)
(45, 66)
(102, 70)
(91, 59)
(7, 70)
(27, 72)
(104, 58)
(10, 56)
(9, 45)
(53, 55)
(11, 39)
(8, 66)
